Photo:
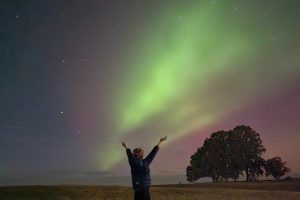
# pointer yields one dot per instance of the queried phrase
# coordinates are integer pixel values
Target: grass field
(207, 191)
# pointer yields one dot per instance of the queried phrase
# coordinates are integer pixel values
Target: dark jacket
(140, 172)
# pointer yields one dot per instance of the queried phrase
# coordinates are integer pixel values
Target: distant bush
(276, 168)
(288, 178)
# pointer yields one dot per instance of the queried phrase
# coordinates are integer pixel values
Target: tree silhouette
(201, 164)
(276, 167)
(217, 148)
(226, 154)
(249, 149)
(189, 174)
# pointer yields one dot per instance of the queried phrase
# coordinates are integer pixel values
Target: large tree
(248, 149)
(200, 165)
(213, 159)
(236, 166)
(226, 154)
(276, 167)
(219, 154)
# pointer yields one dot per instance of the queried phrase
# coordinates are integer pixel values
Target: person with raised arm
(140, 171)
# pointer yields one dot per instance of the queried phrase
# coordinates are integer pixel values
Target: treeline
(230, 154)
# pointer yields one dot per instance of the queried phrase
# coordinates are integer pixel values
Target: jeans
(142, 194)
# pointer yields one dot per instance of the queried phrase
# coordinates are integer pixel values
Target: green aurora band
(192, 69)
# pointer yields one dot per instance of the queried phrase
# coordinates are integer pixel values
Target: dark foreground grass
(259, 185)
(209, 191)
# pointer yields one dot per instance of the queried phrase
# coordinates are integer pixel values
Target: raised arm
(162, 139)
(154, 151)
(128, 152)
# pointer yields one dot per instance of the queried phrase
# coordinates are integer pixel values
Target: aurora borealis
(78, 78)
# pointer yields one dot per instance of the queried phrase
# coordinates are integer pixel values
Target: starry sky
(79, 77)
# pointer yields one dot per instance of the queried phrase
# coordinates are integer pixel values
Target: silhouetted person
(140, 172)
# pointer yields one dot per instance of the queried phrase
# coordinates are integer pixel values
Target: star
(274, 38)
(61, 112)
(78, 131)
(63, 61)
(17, 16)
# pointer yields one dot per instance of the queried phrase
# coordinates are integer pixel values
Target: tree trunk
(214, 179)
(247, 175)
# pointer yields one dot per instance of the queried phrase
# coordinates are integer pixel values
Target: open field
(208, 191)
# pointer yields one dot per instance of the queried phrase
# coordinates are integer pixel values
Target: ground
(209, 191)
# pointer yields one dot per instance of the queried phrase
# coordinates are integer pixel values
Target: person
(140, 172)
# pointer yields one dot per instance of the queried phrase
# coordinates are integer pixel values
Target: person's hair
(137, 151)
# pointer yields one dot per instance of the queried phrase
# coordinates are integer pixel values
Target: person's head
(138, 152)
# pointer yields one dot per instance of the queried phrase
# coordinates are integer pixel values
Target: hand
(162, 139)
(124, 145)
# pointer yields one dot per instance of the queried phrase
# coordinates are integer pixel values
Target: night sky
(79, 77)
